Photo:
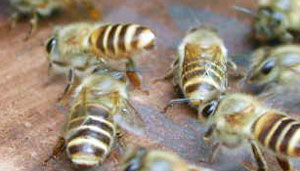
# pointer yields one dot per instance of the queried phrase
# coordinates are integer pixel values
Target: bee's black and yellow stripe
(279, 133)
(113, 40)
(89, 135)
(202, 74)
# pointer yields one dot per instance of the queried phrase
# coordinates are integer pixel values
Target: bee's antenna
(244, 10)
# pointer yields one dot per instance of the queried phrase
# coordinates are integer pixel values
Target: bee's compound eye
(209, 109)
(267, 67)
(51, 44)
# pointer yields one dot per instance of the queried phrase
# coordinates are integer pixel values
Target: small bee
(277, 20)
(279, 66)
(43, 8)
(99, 107)
(82, 45)
(201, 67)
(140, 159)
(238, 118)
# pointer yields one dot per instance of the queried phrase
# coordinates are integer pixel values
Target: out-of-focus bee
(279, 66)
(44, 8)
(239, 118)
(140, 159)
(99, 107)
(201, 67)
(277, 20)
(82, 45)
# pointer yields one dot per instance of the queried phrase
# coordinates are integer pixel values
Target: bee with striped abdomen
(238, 118)
(81, 45)
(277, 20)
(201, 67)
(278, 66)
(140, 159)
(99, 107)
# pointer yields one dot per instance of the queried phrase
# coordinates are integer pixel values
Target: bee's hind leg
(58, 149)
(259, 158)
(284, 164)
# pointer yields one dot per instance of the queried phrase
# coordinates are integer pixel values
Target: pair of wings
(126, 116)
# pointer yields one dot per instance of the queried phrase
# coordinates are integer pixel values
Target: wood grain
(31, 120)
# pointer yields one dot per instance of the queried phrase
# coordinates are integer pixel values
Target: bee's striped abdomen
(89, 136)
(118, 39)
(279, 133)
(202, 75)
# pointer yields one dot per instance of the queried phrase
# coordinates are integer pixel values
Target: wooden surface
(31, 121)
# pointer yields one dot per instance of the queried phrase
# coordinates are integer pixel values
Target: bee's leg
(133, 76)
(215, 149)
(170, 72)
(284, 164)
(14, 20)
(121, 141)
(33, 25)
(259, 158)
(209, 132)
(68, 89)
(58, 149)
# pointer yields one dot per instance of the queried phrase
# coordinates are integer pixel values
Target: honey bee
(201, 67)
(82, 45)
(100, 107)
(278, 66)
(140, 159)
(36, 9)
(236, 119)
(277, 20)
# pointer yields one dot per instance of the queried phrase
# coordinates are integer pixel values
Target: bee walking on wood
(36, 9)
(81, 46)
(140, 159)
(201, 67)
(99, 108)
(236, 119)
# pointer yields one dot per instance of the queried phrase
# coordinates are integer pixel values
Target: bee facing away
(140, 159)
(278, 66)
(240, 119)
(277, 20)
(82, 45)
(99, 107)
(201, 67)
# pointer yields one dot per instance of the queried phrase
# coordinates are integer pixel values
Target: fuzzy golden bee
(140, 159)
(236, 119)
(201, 67)
(278, 66)
(81, 46)
(277, 20)
(99, 108)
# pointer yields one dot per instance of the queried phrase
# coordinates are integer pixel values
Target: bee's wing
(129, 119)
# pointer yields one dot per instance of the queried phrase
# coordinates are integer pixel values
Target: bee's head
(265, 72)
(270, 25)
(208, 110)
(133, 159)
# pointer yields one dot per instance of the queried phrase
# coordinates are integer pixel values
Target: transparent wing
(130, 120)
